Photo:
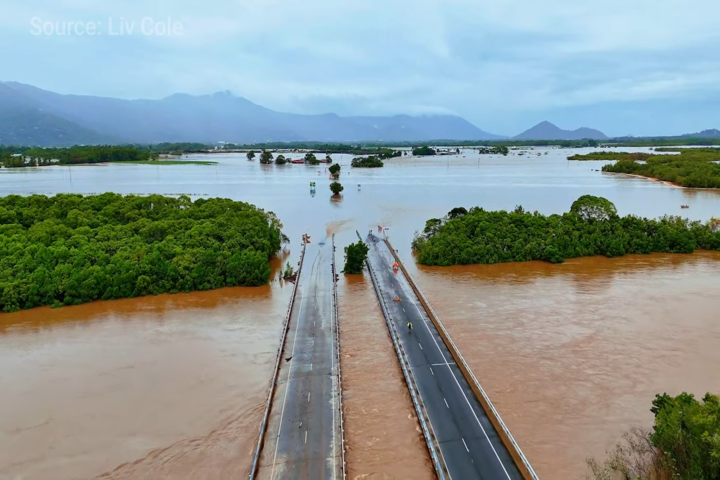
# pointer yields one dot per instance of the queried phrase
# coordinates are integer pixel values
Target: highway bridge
(301, 436)
(464, 434)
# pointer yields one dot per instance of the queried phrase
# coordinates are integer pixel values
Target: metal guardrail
(525, 469)
(337, 352)
(273, 383)
(438, 463)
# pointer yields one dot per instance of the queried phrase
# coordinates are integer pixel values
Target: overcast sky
(624, 66)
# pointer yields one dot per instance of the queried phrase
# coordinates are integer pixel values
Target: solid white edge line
(287, 385)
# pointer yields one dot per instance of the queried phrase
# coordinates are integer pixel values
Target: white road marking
(308, 397)
(432, 371)
(403, 309)
(444, 400)
(306, 439)
(287, 389)
(441, 364)
(468, 450)
(421, 348)
(311, 366)
(465, 396)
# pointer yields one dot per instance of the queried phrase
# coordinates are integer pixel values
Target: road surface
(468, 442)
(303, 437)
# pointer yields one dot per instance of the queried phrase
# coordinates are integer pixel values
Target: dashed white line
(431, 371)
(403, 309)
(311, 366)
(467, 449)
(308, 397)
(306, 439)
(444, 400)
(502, 465)
(421, 348)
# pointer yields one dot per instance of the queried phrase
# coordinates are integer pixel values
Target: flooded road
(173, 386)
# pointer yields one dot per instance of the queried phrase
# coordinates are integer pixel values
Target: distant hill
(547, 131)
(711, 133)
(45, 117)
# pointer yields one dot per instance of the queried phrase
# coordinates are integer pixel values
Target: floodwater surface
(174, 386)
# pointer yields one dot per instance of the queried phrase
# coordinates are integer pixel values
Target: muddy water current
(173, 386)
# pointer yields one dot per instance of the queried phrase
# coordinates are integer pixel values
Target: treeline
(693, 167)
(70, 249)
(34, 157)
(367, 162)
(499, 150)
(684, 443)
(592, 227)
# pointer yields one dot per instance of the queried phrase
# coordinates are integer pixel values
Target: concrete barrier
(428, 434)
(273, 382)
(337, 356)
(518, 457)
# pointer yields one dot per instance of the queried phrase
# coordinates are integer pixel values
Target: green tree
(336, 188)
(355, 257)
(311, 159)
(280, 160)
(589, 207)
(328, 158)
(266, 157)
(335, 170)
(688, 432)
(251, 155)
(423, 151)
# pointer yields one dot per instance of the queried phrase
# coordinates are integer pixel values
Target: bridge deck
(468, 442)
(303, 438)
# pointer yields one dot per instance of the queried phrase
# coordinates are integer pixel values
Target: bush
(355, 257)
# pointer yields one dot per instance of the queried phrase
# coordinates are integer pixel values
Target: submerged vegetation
(355, 257)
(72, 249)
(684, 443)
(592, 227)
(690, 167)
(36, 157)
(367, 162)
(423, 151)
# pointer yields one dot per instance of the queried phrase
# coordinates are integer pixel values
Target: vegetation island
(684, 443)
(367, 162)
(687, 167)
(13, 157)
(71, 249)
(591, 227)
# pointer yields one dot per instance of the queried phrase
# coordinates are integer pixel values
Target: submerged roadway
(303, 438)
(469, 444)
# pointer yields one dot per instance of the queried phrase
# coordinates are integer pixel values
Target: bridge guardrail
(438, 462)
(339, 371)
(268, 403)
(513, 448)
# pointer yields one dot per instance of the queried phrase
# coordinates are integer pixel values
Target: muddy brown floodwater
(383, 438)
(171, 386)
(572, 355)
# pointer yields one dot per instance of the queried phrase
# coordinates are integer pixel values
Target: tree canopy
(423, 151)
(355, 257)
(266, 157)
(367, 162)
(592, 227)
(336, 188)
(33, 157)
(335, 170)
(72, 249)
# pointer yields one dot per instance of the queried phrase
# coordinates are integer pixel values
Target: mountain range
(32, 116)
